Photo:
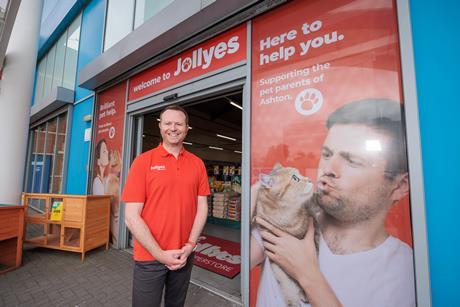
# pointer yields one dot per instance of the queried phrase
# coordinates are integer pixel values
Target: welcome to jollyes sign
(218, 52)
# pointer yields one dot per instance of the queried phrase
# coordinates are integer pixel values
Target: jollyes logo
(214, 251)
(204, 57)
(158, 168)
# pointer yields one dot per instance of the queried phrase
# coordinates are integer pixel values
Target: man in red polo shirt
(166, 209)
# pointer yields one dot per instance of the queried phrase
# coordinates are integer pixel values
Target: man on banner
(166, 209)
(361, 174)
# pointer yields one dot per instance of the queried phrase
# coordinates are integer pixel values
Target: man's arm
(142, 233)
(198, 224)
(298, 259)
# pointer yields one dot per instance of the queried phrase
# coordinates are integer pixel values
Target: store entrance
(215, 136)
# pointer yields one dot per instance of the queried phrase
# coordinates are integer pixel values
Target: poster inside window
(107, 159)
(330, 211)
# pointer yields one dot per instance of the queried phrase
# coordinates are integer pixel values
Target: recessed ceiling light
(237, 151)
(226, 137)
(187, 143)
(216, 148)
(235, 104)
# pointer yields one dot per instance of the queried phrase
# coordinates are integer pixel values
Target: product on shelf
(226, 205)
(236, 184)
(227, 186)
(225, 183)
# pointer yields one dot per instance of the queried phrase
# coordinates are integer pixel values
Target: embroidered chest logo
(158, 168)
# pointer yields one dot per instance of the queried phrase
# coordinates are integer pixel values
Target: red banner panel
(221, 51)
(327, 108)
(109, 126)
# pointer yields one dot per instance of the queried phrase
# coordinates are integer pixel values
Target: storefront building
(261, 81)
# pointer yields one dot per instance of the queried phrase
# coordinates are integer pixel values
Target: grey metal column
(246, 177)
(414, 155)
(132, 144)
(16, 89)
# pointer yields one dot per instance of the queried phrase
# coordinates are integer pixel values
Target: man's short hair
(384, 116)
(176, 108)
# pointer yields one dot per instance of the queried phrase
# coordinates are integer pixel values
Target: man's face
(173, 128)
(351, 183)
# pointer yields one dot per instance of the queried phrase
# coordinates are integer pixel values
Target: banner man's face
(351, 183)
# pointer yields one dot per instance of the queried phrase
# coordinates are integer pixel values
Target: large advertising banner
(328, 143)
(218, 52)
(109, 126)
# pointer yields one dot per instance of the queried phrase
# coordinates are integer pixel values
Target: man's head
(363, 168)
(173, 125)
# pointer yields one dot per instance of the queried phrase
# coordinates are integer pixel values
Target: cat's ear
(266, 180)
(277, 166)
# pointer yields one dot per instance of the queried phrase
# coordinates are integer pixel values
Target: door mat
(218, 255)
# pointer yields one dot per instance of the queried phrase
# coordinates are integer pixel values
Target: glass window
(36, 161)
(59, 66)
(49, 71)
(145, 9)
(73, 40)
(59, 61)
(119, 22)
(44, 174)
(40, 80)
(124, 16)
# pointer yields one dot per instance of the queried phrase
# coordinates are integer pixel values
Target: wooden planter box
(11, 231)
(84, 222)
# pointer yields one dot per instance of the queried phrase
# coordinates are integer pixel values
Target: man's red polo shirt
(169, 189)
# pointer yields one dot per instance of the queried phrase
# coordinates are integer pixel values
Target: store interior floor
(221, 285)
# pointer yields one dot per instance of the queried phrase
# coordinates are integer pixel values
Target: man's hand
(185, 251)
(296, 257)
(171, 258)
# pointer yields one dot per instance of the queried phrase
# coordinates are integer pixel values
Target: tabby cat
(284, 200)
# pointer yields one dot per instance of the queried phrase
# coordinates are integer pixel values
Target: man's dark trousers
(151, 276)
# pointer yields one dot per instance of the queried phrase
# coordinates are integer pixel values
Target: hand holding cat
(296, 257)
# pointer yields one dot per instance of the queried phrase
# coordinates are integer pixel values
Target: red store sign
(221, 51)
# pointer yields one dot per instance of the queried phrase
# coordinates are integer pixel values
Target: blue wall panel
(90, 47)
(77, 173)
(90, 39)
(435, 28)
